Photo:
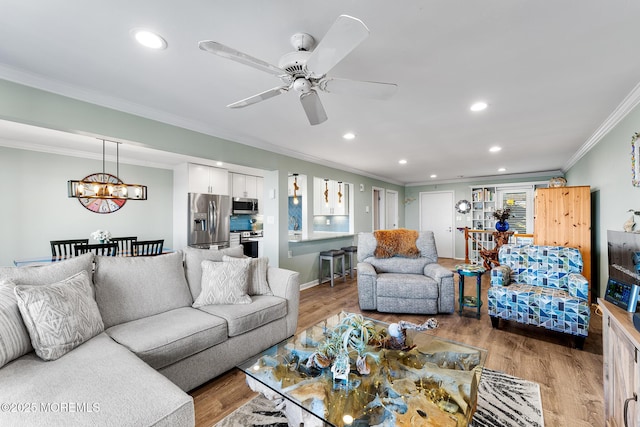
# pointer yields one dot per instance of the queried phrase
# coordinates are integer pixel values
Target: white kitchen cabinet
(332, 203)
(207, 179)
(246, 186)
(621, 344)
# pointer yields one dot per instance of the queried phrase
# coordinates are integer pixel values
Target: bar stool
(331, 256)
(351, 251)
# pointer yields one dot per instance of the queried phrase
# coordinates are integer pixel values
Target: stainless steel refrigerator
(209, 220)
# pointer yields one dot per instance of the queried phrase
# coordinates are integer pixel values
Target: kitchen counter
(297, 238)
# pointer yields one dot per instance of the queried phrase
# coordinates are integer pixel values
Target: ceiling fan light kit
(304, 70)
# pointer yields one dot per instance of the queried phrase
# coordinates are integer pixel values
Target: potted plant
(502, 215)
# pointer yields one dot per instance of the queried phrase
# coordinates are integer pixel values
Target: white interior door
(378, 208)
(436, 214)
(392, 209)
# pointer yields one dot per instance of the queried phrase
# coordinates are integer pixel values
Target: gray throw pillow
(193, 258)
(59, 316)
(258, 284)
(224, 283)
(14, 337)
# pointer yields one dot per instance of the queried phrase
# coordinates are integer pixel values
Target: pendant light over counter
(106, 186)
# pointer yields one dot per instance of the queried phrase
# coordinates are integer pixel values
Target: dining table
(48, 259)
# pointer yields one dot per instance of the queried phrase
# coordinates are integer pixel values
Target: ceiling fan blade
(343, 36)
(243, 58)
(313, 107)
(374, 90)
(259, 97)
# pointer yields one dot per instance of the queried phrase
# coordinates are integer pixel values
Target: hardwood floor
(570, 380)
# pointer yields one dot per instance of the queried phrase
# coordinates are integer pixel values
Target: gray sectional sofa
(153, 348)
(399, 284)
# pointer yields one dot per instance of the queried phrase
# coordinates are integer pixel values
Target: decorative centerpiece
(102, 236)
(502, 215)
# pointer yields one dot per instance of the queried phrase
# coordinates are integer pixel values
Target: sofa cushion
(243, 318)
(130, 288)
(193, 258)
(258, 284)
(59, 316)
(406, 286)
(224, 283)
(100, 382)
(14, 337)
(166, 338)
(398, 265)
(50, 273)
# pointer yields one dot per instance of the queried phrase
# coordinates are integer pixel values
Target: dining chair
(65, 248)
(104, 249)
(124, 244)
(147, 247)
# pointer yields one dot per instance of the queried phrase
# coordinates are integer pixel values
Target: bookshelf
(483, 204)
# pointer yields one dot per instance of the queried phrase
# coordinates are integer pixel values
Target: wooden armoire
(562, 217)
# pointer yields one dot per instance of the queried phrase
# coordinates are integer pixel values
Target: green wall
(36, 107)
(36, 209)
(607, 169)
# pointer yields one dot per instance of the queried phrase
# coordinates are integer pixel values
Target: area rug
(503, 401)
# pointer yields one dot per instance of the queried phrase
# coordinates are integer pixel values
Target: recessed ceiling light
(149, 38)
(349, 136)
(502, 169)
(479, 106)
(219, 163)
(434, 176)
(495, 149)
(402, 162)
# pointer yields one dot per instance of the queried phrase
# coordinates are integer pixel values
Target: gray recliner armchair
(404, 285)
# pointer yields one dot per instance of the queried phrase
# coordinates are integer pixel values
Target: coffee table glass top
(351, 371)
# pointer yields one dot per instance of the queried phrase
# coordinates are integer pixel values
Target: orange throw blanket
(400, 242)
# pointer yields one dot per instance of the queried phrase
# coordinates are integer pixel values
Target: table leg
(460, 292)
(478, 290)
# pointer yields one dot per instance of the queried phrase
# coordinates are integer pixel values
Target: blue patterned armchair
(542, 286)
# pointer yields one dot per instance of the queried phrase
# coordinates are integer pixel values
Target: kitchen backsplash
(245, 222)
(295, 214)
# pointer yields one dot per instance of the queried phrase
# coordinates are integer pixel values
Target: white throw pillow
(224, 283)
(59, 316)
(14, 337)
(258, 284)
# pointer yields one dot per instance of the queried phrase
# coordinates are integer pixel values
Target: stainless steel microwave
(245, 206)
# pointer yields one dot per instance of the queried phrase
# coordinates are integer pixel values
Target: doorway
(392, 209)
(377, 202)
(436, 214)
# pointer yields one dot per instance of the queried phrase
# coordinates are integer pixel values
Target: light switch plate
(361, 187)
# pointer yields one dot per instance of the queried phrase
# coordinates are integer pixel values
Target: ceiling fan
(305, 70)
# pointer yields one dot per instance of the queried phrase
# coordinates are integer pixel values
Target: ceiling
(551, 72)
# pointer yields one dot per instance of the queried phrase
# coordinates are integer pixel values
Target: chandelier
(106, 186)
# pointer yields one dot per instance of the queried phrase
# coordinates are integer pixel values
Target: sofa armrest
(578, 286)
(446, 287)
(367, 286)
(286, 284)
(501, 275)
(437, 272)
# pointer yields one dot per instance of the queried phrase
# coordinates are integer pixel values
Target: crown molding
(625, 107)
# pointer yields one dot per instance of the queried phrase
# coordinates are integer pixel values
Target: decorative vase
(502, 226)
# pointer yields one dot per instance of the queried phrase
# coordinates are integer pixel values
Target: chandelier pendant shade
(106, 186)
(295, 189)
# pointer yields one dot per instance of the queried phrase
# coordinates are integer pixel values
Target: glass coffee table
(349, 370)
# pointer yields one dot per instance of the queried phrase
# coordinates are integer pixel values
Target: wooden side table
(470, 270)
